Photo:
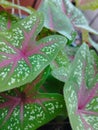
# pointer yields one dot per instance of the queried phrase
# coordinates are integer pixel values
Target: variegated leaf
(22, 58)
(26, 108)
(80, 92)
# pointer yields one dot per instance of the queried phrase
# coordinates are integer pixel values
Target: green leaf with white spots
(81, 92)
(27, 108)
(22, 57)
(62, 63)
(60, 66)
(7, 20)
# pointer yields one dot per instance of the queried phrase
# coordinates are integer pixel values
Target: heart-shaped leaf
(27, 108)
(80, 92)
(22, 58)
(7, 20)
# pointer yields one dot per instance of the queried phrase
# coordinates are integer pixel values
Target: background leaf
(87, 4)
(53, 18)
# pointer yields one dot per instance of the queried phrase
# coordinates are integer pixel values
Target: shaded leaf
(80, 92)
(22, 58)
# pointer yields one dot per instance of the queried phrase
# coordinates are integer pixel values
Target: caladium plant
(72, 16)
(81, 92)
(26, 108)
(35, 64)
(24, 57)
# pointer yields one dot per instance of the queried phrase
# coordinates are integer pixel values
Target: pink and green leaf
(80, 92)
(22, 58)
(27, 108)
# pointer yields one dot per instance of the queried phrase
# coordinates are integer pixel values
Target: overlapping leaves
(81, 90)
(26, 108)
(22, 58)
(55, 10)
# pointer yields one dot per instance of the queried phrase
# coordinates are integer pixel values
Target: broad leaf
(81, 92)
(76, 17)
(55, 19)
(27, 108)
(7, 20)
(87, 4)
(22, 58)
(55, 10)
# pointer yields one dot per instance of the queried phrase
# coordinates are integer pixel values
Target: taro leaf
(80, 92)
(87, 4)
(7, 20)
(55, 19)
(22, 58)
(27, 109)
